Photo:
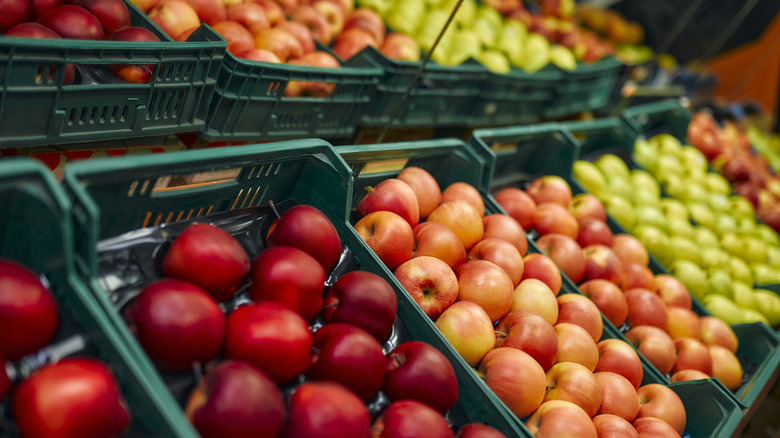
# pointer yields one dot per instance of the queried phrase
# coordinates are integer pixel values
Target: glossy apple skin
(566, 254)
(462, 218)
(692, 355)
(645, 308)
(40, 7)
(238, 37)
(352, 41)
(301, 33)
(486, 284)
(326, 410)
(388, 235)
(617, 356)
(529, 332)
(418, 371)
(516, 378)
(424, 185)
(636, 275)
(503, 254)
(725, 367)
(369, 20)
(308, 229)
(75, 22)
(686, 375)
(683, 323)
(210, 12)
(236, 399)
(575, 344)
(655, 345)
(437, 240)
(430, 283)
(407, 418)
(502, 226)
(552, 218)
(174, 17)
(574, 383)
(550, 188)
(609, 299)
(659, 401)
(543, 268)
(30, 29)
(363, 299)
(290, 277)
(76, 397)
(601, 262)
(518, 205)
(250, 14)
(14, 12)
(672, 291)
(629, 249)
(558, 418)
(308, 16)
(139, 74)
(210, 258)
(348, 355)
(478, 430)
(578, 309)
(715, 331)
(469, 329)
(279, 41)
(466, 192)
(612, 426)
(651, 427)
(113, 14)
(618, 395)
(594, 232)
(29, 313)
(260, 55)
(391, 195)
(271, 337)
(586, 206)
(533, 294)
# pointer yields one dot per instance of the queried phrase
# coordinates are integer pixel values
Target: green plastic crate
(586, 88)
(36, 230)
(665, 116)
(36, 109)
(117, 195)
(515, 98)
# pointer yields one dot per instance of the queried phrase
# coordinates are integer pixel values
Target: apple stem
(273, 207)
(369, 189)
(500, 333)
(329, 305)
(480, 374)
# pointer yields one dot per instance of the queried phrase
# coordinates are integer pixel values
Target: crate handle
(384, 166)
(218, 178)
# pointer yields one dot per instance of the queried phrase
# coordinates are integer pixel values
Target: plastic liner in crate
(666, 116)
(586, 88)
(158, 196)
(249, 101)
(36, 230)
(37, 108)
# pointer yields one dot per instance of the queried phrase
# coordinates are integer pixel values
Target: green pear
(740, 270)
(537, 53)
(716, 183)
(769, 305)
(723, 308)
(495, 61)
(692, 158)
(756, 251)
(715, 258)
(685, 249)
(719, 282)
(491, 15)
(764, 274)
(646, 196)
(563, 57)
(668, 164)
(705, 237)
(646, 155)
(675, 186)
(620, 210)
(768, 235)
(656, 241)
(725, 223)
(644, 179)
(683, 228)
(590, 177)
(486, 31)
(702, 214)
(740, 205)
(747, 225)
(651, 215)
(511, 40)
(773, 256)
(381, 7)
(750, 316)
(667, 144)
(693, 277)
(674, 209)
(742, 295)
(695, 192)
(621, 186)
(405, 16)
(612, 165)
(719, 202)
(465, 44)
(465, 15)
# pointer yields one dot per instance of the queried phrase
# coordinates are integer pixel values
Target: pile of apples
(468, 271)
(277, 345)
(77, 396)
(81, 20)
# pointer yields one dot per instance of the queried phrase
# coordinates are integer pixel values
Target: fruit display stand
(666, 116)
(586, 88)
(36, 230)
(123, 194)
(38, 108)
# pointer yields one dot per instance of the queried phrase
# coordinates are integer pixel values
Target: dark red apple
(417, 371)
(391, 195)
(408, 418)
(308, 229)
(271, 337)
(478, 430)
(594, 231)
(40, 7)
(35, 30)
(137, 74)
(5, 381)
(75, 22)
(113, 14)
(238, 400)
(28, 312)
(363, 299)
(14, 12)
(326, 410)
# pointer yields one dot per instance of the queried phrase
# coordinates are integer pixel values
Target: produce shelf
(586, 88)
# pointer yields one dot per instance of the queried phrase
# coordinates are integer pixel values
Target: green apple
(692, 276)
(563, 57)
(740, 270)
(537, 53)
(465, 15)
(742, 206)
(747, 225)
(769, 305)
(764, 274)
(612, 165)
(674, 209)
(768, 235)
(705, 237)
(620, 210)
(719, 202)
(695, 192)
(715, 258)
(674, 185)
(646, 155)
(716, 183)
(725, 223)
(667, 144)
(379, 6)
(405, 16)
(723, 308)
(621, 186)
(702, 214)
(486, 30)
(742, 294)
(668, 165)
(692, 158)
(465, 44)
(750, 316)
(491, 15)
(495, 61)
(645, 180)
(646, 196)
(651, 215)
(756, 250)
(685, 249)
(589, 176)
(773, 256)
(683, 228)
(656, 241)
(699, 176)
(719, 282)
(511, 40)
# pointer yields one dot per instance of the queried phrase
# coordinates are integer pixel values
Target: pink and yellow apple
(430, 283)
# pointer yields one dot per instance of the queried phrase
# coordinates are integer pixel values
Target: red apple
(576, 345)
(407, 418)
(601, 262)
(273, 11)
(466, 192)
(301, 33)
(574, 383)
(518, 205)
(501, 226)
(469, 329)
(308, 229)
(238, 37)
(616, 356)
(692, 355)
(210, 12)
(424, 185)
(618, 396)
(612, 426)
(683, 323)
(417, 371)
(687, 375)
(578, 309)
(543, 268)
(236, 399)
(113, 14)
(645, 308)
(29, 29)
(651, 427)
(661, 402)
(315, 21)
(516, 379)
(391, 195)
(594, 231)
(280, 42)
(40, 7)
(74, 22)
(316, 58)
(608, 298)
(462, 218)
(6, 384)
(363, 299)
(430, 283)
(75, 397)
(503, 254)
(367, 19)
(350, 42)
(635, 275)
(29, 313)
(725, 367)
(334, 13)
(655, 345)
(14, 12)
(250, 14)
(388, 235)
(289, 5)
(533, 294)
(478, 430)
(437, 240)
(550, 188)
(586, 206)
(145, 5)
(271, 337)
(138, 74)
(566, 254)
(529, 332)
(178, 323)
(486, 284)
(552, 218)
(672, 292)
(260, 55)
(716, 332)
(401, 47)
(174, 17)
(629, 249)
(559, 418)
(326, 410)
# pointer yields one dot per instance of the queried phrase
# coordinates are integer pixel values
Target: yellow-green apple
(683, 323)
(725, 367)
(612, 426)
(629, 249)
(576, 345)
(608, 298)
(430, 283)
(768, 305)
(501, 226)
(391, 195)
(410, 418)
(686, 375)
(307, 229)
(334, 13)
(672, 291)
(174, 17)
(651, 427)
(601, 262)
(437, 240)
(543, 268)
(716, 332)
(417, 371)
(518, 205)
(368, 20)
(594, 231)
(574, 383)
(462, 218)
(486, 284)
(422, 183)
(250, 14)
(552, 218)
(616, 356)
(621, 210)
(516, 379)
(559, 418)
(363, 299)
(692, 354)
(306, 15)
(469, 329)
(618, 395)
(328, 410)
(350, 42)
(590, 177)
(656, 241)
(478, 430)
(502, 253)
(566, 254)
(550, 188)
(587, 206)
(401, 47)
(234, 398)
(533, 294)
(388, 235)
(528, 331)
(578, 309)
(636, 275)
(301, 33)
(659, 401)
(466, 192)
(280, 42)
(238, 37)
(655, 345)
(645, 308)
